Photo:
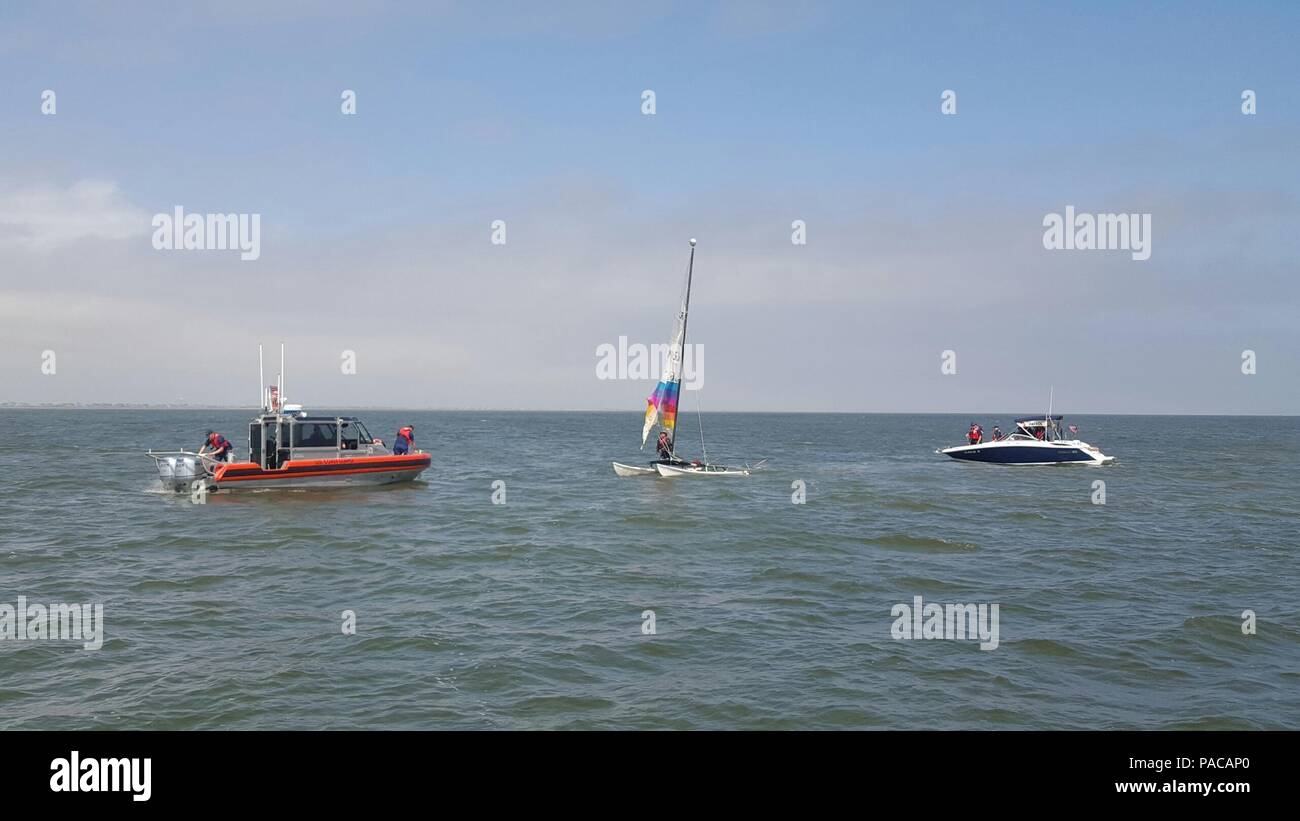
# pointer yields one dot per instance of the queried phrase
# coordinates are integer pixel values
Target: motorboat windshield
(1042, 428)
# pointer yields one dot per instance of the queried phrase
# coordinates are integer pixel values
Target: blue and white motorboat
(1037, 440)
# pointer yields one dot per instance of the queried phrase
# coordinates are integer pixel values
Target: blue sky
(924, 230)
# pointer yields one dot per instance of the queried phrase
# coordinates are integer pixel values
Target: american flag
(1074, 428)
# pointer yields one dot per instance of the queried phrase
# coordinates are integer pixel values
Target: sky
(924, 230)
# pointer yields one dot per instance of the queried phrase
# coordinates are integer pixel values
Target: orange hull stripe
(373, 460)
(275, 474)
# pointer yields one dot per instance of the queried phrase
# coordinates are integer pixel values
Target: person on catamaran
(222, 450)
(405, 441)
(665, 446)
(975, 435)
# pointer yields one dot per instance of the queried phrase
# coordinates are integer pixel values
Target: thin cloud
(44, 217)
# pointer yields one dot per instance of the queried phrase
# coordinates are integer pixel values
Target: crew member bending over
(405, 441)
(221, 449)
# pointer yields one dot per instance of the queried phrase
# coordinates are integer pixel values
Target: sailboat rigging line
(700, 417)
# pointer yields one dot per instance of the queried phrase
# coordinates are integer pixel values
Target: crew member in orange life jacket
(405, 440)
(976, 435)
(665, 446)
(222, 450)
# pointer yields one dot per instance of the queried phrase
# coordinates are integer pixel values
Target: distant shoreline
(90, 406)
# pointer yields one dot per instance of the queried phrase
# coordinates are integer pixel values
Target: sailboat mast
(686, 315)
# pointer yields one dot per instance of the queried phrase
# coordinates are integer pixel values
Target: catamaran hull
(1015, 453)
(638, 470)
(634, 470)
(676, 471)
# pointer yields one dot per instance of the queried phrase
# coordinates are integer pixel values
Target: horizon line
(385, 409)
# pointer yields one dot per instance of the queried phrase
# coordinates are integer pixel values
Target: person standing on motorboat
(665, 446)
(976, 435)
(997, 434)
(222, 450)
(405, 441)
(272, 450)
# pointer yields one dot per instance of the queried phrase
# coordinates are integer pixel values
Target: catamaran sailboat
(287, 448)
(661, 407)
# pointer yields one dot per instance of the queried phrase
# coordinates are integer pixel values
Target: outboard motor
(185, 470)
(179, 471)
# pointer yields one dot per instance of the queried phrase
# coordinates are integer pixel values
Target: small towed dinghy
(661, 408)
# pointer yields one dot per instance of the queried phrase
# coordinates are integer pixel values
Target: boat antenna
(686, 314)
(281, 383)
(261, 385)
(1051, 394)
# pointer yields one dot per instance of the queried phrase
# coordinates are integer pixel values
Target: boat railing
(206, 460)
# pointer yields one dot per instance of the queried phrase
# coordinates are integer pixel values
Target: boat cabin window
(315, 435)
(353, 435)
(255, 443)
(273, 451)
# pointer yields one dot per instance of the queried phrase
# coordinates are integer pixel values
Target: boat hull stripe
(234, 473)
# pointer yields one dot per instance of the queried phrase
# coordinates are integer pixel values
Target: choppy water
(768, 614)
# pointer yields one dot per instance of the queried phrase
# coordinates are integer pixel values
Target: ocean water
(767, 614)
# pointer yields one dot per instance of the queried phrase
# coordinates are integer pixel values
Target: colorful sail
(661, 406)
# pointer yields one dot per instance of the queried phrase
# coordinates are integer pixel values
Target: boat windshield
(1047, 430)
(354, 434)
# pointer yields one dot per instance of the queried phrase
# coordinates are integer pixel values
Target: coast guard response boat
(288, 448)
